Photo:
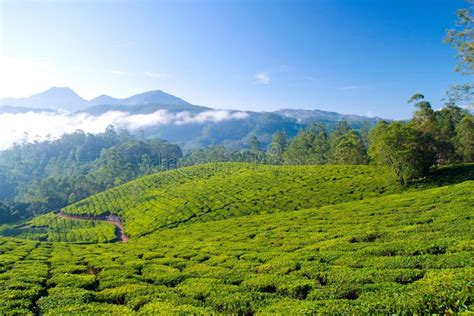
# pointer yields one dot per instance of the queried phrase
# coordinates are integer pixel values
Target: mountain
(66, 99)
(55, 98)
(188, 125)
(307, 116)
(150, 97)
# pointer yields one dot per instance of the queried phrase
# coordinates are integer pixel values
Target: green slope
(219, 191)
(402, 253)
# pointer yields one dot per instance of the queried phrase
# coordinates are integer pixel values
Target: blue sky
(349, 56)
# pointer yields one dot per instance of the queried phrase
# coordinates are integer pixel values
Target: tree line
(410, 149)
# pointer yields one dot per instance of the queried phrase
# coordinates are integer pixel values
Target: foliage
(465, 138)
(44, 176)
(350, 150)
(431, 138)
(400, 147)
(462, 39)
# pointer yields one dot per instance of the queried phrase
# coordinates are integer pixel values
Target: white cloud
(263, 78)
(39, 125)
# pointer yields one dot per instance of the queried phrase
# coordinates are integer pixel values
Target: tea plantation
(218, 191)
(241, 239)
(54, 228)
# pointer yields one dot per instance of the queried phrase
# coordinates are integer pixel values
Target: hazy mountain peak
(154, 96)
(148, 97)
(53, 98)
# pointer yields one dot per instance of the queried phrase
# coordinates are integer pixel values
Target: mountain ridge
(64, 98)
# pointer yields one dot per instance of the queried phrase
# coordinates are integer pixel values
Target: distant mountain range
(182, 122)
(307, 116)
(66, 99)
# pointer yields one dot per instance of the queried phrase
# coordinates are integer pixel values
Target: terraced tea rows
(219, 191)
(407, 253)
(51, 227)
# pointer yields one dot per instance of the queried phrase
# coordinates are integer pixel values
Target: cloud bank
(38, 125)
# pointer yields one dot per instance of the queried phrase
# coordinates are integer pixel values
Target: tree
(400, 147)
(350, 150)
(309, 147)
(114, 169)
(320, 151)
(465, 138)
(342, 128)
(425, 122)
(277, 148)
(462, 39)
(424, 118)
(445, 136)
(364, 133)
(255, 151)
(298, 149)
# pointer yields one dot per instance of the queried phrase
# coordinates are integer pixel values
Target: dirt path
(112, 219)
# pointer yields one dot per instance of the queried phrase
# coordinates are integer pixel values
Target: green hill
(403, 253)
(51, 227)
(224, 190)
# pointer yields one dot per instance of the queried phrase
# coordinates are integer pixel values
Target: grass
(338, 240)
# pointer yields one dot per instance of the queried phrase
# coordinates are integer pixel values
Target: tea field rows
(224, 190)
(402, 253)
(50, 227)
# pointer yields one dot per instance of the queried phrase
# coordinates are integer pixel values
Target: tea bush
(404, 253)
(224, 190)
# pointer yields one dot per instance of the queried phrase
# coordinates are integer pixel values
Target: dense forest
(43, 176)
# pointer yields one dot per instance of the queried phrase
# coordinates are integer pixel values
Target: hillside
(307, 116)
(218, 191)
(402, 253)
(223, 190)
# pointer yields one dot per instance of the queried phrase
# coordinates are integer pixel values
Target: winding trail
(112, 219)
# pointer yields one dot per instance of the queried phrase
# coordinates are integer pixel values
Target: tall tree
(254, 144)
(399, 146)
(299, 149)
(342, 128)
(255, 150)
(445, 136)
(320, 151)
(277, 148)
(350, 150)
(462, 39)
(465, 138)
